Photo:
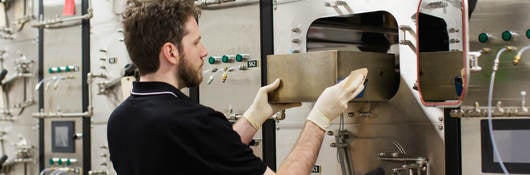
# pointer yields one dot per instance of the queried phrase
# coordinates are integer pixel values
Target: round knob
(225, 59)
(483, 37)
(239, 57)
(213, 60)
(508, 35)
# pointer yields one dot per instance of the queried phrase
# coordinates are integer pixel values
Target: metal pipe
(59, 20)
(343, 149)
(223, 4)
(402, 159)
(17, 76)
(88, 113)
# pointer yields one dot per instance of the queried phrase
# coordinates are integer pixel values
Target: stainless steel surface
(20, 136)
(63, 97)
(437, 74)
(372, 31)
(493, 18)
(222, 35)
(398, 121)
(376, 127)
(305, 75)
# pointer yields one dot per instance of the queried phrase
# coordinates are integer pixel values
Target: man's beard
(188, 77)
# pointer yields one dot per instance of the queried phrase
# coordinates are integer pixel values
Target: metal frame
(85, 56)
(453, 149)
(267, 47)
(488, 163)
(85, 102)
(41, 91)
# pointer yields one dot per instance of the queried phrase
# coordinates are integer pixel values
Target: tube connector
(517, 57)
(225, 73)
(497, 61)
(511, 48)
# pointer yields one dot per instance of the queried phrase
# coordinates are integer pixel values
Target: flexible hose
(45, 171)
(490, 122)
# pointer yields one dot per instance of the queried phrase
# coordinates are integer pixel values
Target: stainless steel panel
(222, 35)
(17, 127)
(66, 96)
(305, 75)
(437, 77)
(400, 120)
(494, 17)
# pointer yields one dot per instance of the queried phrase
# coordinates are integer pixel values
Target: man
(159, 130)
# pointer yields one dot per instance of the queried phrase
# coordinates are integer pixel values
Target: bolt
(440, 127)
(296, 30)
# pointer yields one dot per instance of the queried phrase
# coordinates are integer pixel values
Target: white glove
(260, 110)
(334, 100)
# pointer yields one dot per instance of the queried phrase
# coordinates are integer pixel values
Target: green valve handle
(51, 161)
(528, 33)
(507, 35)
(212, 60)
(241, 57)
(483, 37)
(225, 59)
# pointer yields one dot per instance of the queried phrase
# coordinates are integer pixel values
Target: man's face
(191, 58)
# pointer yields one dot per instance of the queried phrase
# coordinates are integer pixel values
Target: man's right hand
(334, 100)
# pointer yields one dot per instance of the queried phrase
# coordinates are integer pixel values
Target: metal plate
(437, 78)
(494, 17)
(305, 75)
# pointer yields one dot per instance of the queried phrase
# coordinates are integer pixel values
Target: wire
(490, 122)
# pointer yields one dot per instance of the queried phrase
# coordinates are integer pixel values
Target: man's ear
(170, 52)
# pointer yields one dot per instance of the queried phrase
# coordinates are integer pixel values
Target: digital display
(63, 137)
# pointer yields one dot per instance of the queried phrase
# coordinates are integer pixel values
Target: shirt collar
(156, 86)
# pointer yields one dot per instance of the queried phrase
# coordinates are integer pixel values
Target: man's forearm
(305, 152)
(245, 130)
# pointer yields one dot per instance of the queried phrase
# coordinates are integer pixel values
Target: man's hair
(148, 24)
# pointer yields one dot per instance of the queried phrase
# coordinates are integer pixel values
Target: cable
(490, 121)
